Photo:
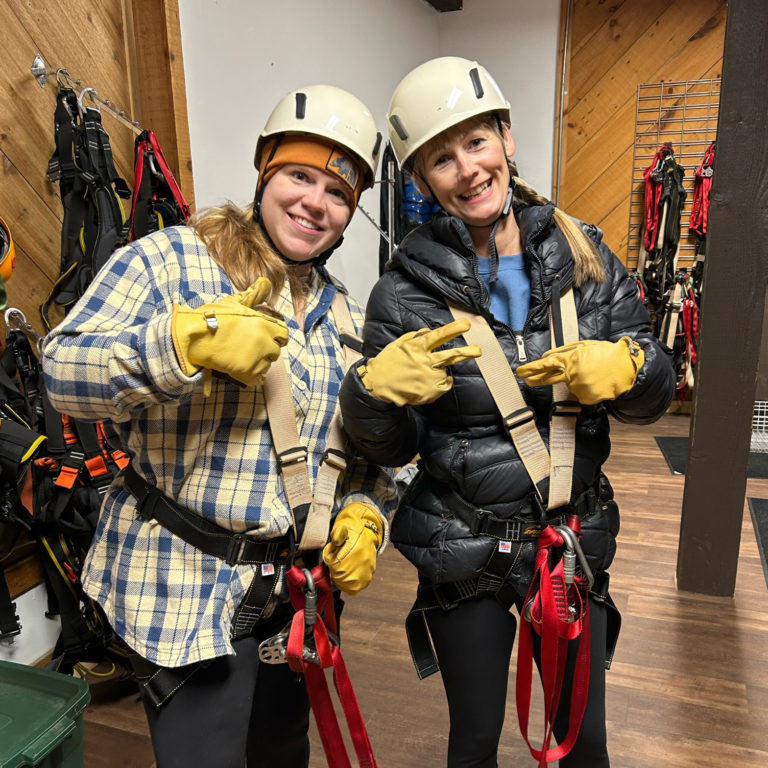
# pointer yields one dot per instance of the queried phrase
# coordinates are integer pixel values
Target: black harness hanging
(90, 189)
(664, 200)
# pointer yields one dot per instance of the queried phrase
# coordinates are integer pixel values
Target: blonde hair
(238, 244)
(588, 264)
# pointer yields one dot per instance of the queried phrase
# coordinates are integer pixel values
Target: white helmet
(331, 113)
(437, 95)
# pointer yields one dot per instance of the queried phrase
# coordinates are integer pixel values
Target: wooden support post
(154, 43)
(734, 296)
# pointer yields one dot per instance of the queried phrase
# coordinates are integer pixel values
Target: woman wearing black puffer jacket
(499, 251)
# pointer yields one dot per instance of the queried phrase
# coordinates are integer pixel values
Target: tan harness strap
(565, 412)
(673, 314)
(292, 456)
(519, 417)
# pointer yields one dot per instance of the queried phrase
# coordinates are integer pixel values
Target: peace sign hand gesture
(408, 371)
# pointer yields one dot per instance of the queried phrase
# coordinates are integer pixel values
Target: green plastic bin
(41, 717)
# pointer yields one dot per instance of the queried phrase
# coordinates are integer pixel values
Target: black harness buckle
(292, 456)
(519, 417)
(479, 521)
(235, 549)
(565, 408)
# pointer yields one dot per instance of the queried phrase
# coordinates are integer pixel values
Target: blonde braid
(586, 258)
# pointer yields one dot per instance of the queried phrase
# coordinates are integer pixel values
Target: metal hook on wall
(64, 80)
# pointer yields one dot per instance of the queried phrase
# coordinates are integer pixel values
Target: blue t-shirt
(511, 293)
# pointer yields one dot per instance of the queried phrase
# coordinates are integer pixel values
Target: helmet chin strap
(492, 239)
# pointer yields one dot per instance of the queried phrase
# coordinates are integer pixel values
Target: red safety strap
(558, 613)
(701, 188)
(170, 179)
(151, 145)
(652, 197)
(691, 324)
(329, 655)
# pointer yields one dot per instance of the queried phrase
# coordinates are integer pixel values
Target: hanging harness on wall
(700, 212)
(91, 190)
(70, 470)
(664, 199)
(19, 445)
(157, 198)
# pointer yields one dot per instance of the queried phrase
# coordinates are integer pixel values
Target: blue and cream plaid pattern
(113, 358)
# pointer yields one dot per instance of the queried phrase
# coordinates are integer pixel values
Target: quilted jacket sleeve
(386, 434)
(654, 386)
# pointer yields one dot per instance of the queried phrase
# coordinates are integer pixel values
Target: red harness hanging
(155, 190)
(653, 176)
(701, 187)
(557, 608)
(312, 647)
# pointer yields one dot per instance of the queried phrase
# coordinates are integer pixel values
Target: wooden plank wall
(613, 46)
(130, 52)
(138, 66)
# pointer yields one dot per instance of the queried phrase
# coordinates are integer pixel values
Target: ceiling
(446, 5)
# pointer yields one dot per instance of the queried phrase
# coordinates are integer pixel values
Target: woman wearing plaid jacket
(171, 342)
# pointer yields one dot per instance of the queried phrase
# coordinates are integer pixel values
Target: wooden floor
(689, 683)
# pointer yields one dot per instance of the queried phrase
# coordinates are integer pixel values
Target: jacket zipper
(520, 341)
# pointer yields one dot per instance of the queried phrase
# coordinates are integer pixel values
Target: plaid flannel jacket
(113, 358)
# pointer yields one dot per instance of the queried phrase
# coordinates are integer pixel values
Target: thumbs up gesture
(237, 335)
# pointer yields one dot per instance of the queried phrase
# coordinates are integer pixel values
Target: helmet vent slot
(474, 76)
(301, 105)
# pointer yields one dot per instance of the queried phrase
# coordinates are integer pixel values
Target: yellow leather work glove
(230, 335)
(408, 372)
(355, 540)
(593, 370)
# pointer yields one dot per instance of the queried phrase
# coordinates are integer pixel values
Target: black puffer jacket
(460, 438)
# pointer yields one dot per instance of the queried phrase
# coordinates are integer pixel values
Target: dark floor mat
(675, 451)
(758, 508)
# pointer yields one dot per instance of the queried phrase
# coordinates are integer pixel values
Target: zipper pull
(521, 356)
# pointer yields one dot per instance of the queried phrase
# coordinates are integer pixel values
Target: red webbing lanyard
(170, 179)
(558, 612)
(150, 145)
(652, 197)
(701, 187)
(691, 324)
(329, 655)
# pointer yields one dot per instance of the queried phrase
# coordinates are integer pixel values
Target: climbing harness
(309, 645)
(699, 221)
(19, 445)
(550, 507)
(664, 199)
(70, 465)
(157, 198)
(310, 592)
(90, 190)
(701, 188)
(557, 609)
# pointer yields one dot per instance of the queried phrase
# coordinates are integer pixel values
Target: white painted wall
(38, 633)
(242, 56)
(516, 41)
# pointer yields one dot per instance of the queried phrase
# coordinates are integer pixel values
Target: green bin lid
(38, 710)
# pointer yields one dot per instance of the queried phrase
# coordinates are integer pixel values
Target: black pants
(473, 643)
(235, 712)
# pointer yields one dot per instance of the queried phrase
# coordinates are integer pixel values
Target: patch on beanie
(340, 165)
